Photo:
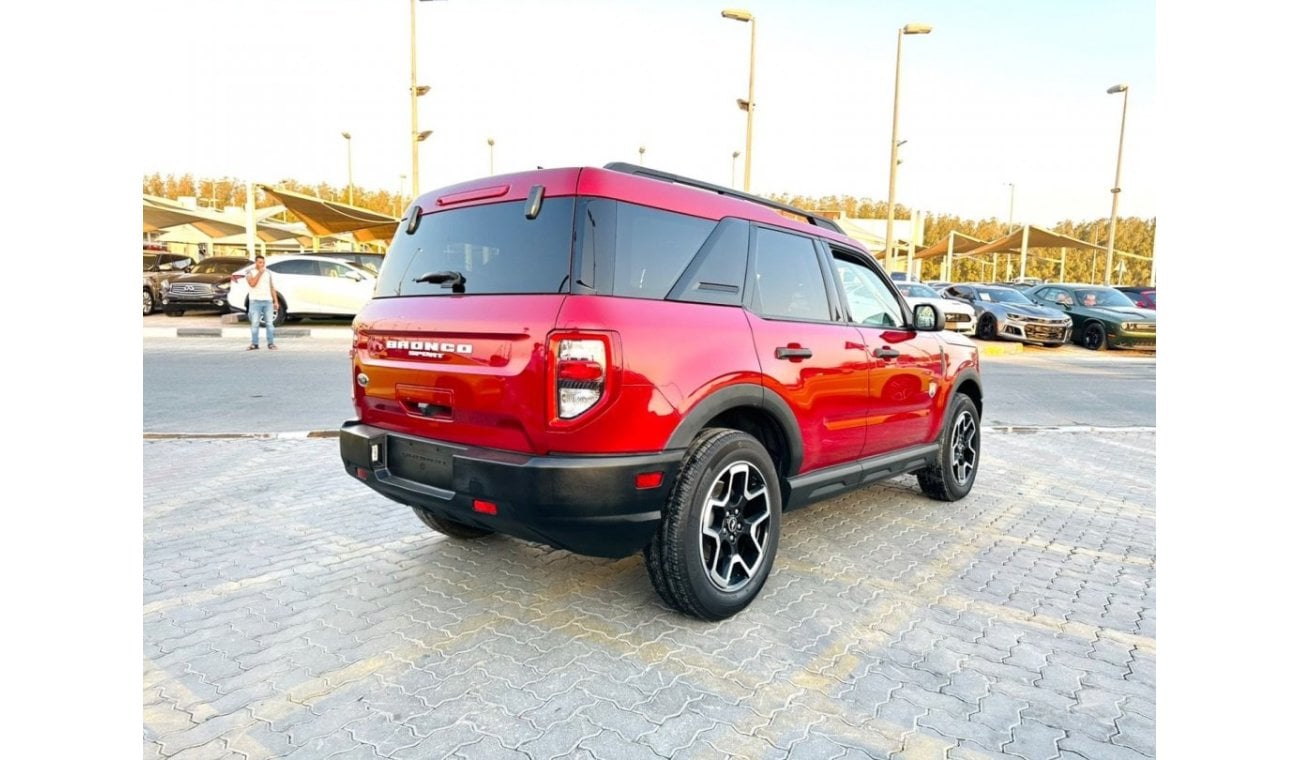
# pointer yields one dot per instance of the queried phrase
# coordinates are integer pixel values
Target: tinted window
(916, 290)
(1001, 295)
(718, 273)
(219, 266)
(635, 251)
(494, 247)
(295, 266)
(870, 300)
(789, 280)
(331, 269)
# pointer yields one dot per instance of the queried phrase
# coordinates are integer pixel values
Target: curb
(336, 333)
(1000, 348)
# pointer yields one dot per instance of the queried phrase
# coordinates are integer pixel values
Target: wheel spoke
(733, 526)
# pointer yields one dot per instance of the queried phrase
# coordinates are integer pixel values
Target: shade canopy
(160, 213)
(1037, 238)
(324, 217)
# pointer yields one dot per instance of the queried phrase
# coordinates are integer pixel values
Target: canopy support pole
(1024, 248)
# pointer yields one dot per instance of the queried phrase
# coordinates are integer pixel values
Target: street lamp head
(735, 154)
(422, 89)
(736, 14)
(423, 135)
(917, 29)
(1117, 88)
(347, 135)
(491, 142)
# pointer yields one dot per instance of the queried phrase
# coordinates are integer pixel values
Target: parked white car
(959, 316)
(309, 286)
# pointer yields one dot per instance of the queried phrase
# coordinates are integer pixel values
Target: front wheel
(988, 328)
(953, 475)
(718, 537)
(1094, 337)
(449, 527)
(148, 302)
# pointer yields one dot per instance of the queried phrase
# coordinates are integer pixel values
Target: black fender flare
(958, 380)
(740, 396)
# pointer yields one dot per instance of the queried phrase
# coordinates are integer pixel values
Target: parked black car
(159, 269)
(204, 288)
(1003, 312)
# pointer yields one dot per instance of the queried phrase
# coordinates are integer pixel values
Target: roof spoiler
(641, 171)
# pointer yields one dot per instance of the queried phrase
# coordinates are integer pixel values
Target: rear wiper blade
(453, 280)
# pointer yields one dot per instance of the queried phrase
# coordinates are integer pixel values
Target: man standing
(261, 302)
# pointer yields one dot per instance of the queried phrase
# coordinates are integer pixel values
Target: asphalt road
(209, 386)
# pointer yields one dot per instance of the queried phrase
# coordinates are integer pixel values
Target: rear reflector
(646, 480)
(362, 474)
(486, 507)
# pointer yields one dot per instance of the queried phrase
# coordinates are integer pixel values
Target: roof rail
(813, 219)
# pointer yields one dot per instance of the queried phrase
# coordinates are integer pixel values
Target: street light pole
(401, 194)
(747, 105)
(734, 155)
(641, 155)
(893, 141)
(417, 136)
(348, 136)
(1114, 191)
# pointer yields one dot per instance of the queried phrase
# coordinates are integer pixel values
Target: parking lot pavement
(290, 611)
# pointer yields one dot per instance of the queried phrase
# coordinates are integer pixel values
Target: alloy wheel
(965, 447)
(734, 526)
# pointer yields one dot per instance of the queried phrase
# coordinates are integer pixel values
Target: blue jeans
(257, 311)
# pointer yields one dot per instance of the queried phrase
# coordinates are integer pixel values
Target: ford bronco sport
(612, 360)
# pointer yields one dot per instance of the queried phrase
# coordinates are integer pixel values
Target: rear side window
(636, 251)
(493, 247)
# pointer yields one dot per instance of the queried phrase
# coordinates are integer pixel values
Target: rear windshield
(495, 248)
(219, 266)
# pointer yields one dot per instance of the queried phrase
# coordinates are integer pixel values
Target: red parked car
(1140, 296)
(612, 360)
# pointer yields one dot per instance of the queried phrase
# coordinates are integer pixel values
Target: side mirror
(354, 276)
(927, 317)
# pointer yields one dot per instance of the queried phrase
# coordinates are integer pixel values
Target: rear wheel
(953, 475)
(721, 525)
(148, 302)
(449, 527)
(1094, 337)
(281, 311)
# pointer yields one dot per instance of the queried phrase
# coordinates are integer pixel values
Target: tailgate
(462, 369)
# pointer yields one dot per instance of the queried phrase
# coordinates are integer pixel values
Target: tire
(281, 311)
(177, 313)
(1094, 336)
(449, 527)
(987, 329)
(959, 454)
(148, 302)
(1051, 345)
(725, 507)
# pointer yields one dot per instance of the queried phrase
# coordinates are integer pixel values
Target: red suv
(611, 360)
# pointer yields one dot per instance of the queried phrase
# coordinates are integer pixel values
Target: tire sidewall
(716, 602)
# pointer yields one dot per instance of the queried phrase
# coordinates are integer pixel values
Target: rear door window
(495, 248)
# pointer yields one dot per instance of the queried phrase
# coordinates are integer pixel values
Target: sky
(998, 94)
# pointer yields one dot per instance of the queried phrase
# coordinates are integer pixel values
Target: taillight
(581, 374)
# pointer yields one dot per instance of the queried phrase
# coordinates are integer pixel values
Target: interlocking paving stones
(291, 612)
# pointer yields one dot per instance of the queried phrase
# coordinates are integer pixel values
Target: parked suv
(612, 360)
(159, 269)
(204, 288)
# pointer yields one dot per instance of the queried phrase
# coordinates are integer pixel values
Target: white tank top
(262, 290)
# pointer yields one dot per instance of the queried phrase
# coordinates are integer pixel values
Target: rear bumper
(583, 504)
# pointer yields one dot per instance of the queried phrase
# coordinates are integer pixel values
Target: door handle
(786, 352)
(885, 353)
